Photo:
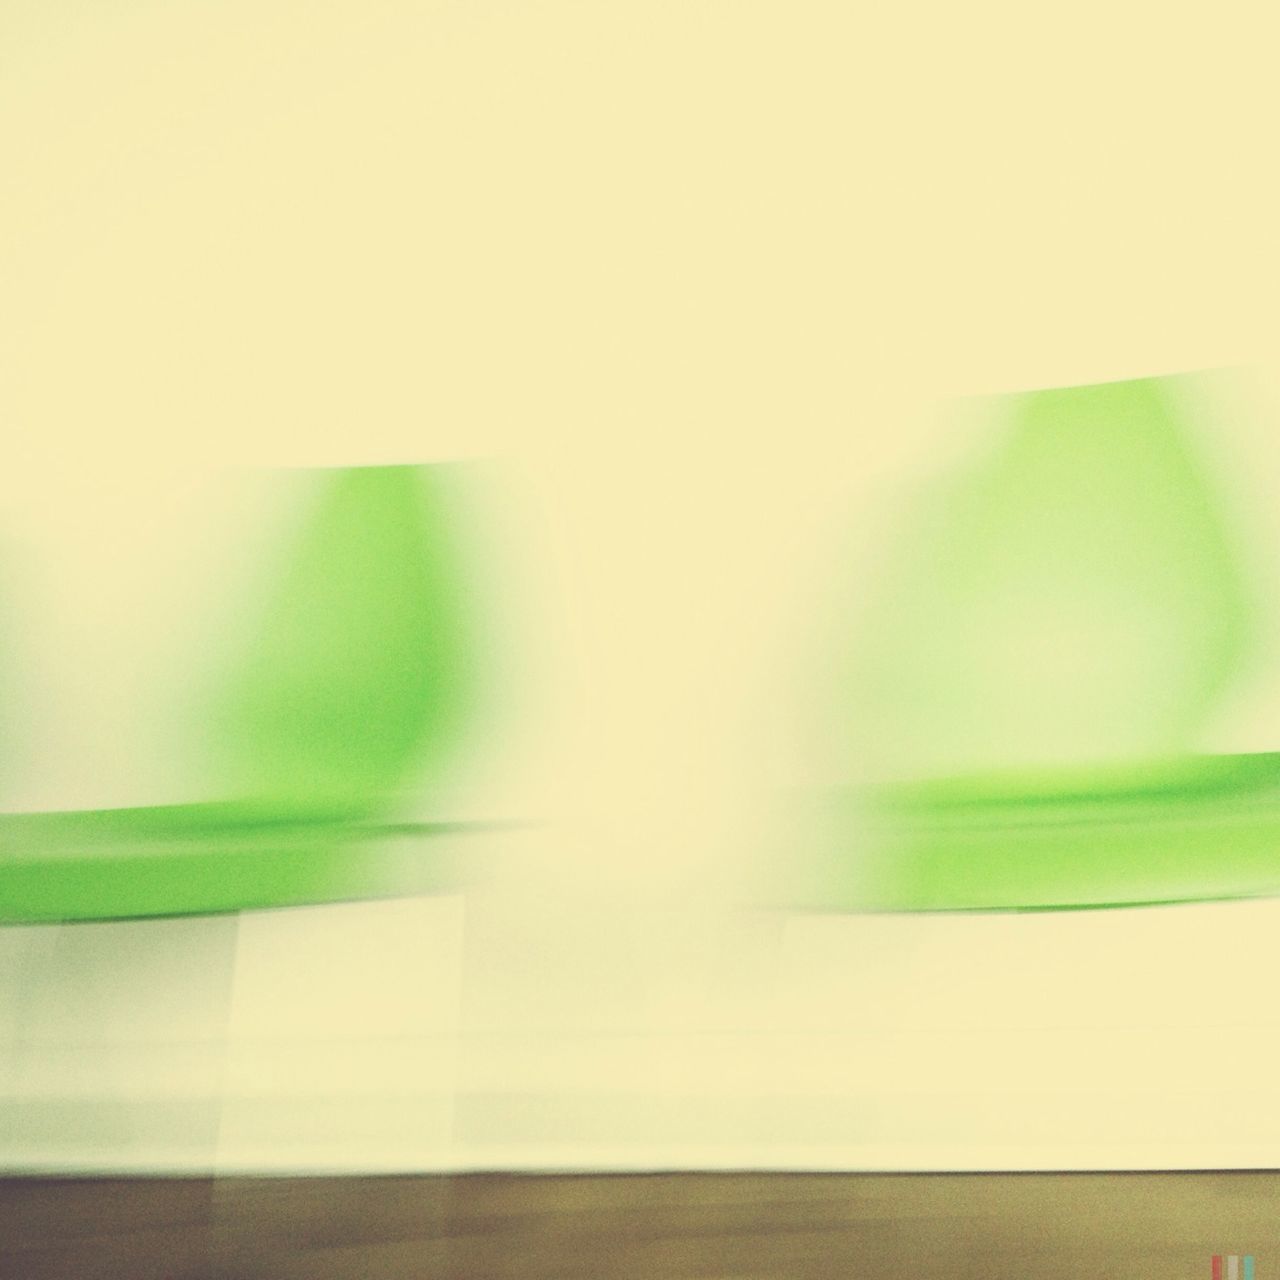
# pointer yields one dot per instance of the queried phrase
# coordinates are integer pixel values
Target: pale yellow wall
(697, 273)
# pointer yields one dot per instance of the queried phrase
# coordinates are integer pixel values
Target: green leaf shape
(1075, 598)
(360, 669)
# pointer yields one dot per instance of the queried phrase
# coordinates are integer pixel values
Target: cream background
(697, 275)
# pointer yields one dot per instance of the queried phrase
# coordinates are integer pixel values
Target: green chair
(1045, 645)
(357, 678)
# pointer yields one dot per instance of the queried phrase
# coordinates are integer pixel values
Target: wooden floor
(643, 1227)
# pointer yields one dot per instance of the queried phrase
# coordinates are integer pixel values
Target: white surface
(362, 1037)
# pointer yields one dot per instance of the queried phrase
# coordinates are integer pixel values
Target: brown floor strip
(641, 1227)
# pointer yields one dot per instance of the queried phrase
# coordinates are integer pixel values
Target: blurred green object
(360, 669)
(357, 677)
(1072, 598)
(1201, 829)
(1046, 645)
(200, 859)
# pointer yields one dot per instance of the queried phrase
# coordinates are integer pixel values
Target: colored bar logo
(1233, 1270)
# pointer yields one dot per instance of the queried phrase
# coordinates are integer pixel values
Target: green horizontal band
(205, 859)
(1202, 829)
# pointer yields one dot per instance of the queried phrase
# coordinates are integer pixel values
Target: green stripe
(1197, 837)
